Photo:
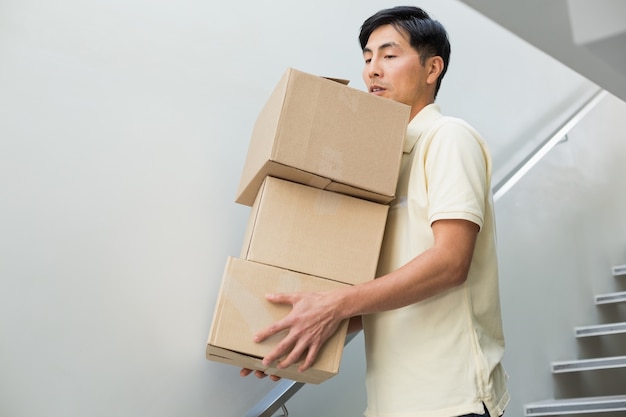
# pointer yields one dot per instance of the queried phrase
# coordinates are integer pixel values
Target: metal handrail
(275, 399)
(534, 157)
(285, 389)
(279, 395)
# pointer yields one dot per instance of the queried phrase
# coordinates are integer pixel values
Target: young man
(431, 320)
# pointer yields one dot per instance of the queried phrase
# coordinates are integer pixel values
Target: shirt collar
(420, 124)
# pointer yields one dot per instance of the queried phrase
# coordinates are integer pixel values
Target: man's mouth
(376, 89)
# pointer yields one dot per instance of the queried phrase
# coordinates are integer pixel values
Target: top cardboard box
(322, 133)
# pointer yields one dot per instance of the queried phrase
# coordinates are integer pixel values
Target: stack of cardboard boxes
(322, 165)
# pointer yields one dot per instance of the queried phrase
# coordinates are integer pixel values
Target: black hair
(426, 35)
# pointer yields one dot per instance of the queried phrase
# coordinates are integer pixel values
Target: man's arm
(316, 316)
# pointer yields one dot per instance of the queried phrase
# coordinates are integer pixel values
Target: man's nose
(374, 69)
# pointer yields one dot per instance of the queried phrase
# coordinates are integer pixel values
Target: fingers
(246, 372)
(307, 327)
(292, 349)
(282, 298)
(286, 346)
(277, 327)
(259, 374)
(310, 358)
(304, 336)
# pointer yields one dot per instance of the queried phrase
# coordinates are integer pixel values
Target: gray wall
(123, 130)
(560, 231)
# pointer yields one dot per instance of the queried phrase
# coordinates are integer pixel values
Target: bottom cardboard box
(242, 311)
(310, 376)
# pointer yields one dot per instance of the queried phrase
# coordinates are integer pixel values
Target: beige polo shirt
(439, 357)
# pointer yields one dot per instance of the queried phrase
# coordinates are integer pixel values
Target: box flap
(248, 194)
(340, 188)
(338, 80)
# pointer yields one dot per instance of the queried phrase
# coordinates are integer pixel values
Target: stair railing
(278, 396)
(542, 150)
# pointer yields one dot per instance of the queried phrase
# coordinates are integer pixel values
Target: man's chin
(380, 94)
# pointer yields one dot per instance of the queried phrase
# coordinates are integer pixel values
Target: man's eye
(389, 56)
(368, 60)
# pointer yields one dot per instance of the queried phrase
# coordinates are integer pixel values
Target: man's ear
(435, 68)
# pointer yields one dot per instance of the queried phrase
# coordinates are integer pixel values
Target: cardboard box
(316, 232)
(320, 132)
(242, 311)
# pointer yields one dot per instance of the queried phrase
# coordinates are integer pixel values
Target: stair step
(600, 329)
(614, 297)
(589, 364)
(619, 270)
(576, 406)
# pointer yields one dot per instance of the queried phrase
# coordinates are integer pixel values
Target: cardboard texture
(242, 311)
(316, 232)
(320, 132)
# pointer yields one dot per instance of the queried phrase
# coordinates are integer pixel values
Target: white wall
(123, 130)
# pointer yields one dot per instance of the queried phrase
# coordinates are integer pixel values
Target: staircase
(598, 404)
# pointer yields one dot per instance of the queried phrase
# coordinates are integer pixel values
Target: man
(431, 320)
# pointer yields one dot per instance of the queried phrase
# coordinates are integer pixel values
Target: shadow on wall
(588, 384)
(605, 346)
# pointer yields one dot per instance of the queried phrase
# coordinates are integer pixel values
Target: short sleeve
(456, 169)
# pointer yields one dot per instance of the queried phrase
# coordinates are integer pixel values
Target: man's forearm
(443, 266)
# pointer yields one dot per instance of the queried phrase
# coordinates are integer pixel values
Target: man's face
(393, 69)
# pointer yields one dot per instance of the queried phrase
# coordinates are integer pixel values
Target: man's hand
(313, 319)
